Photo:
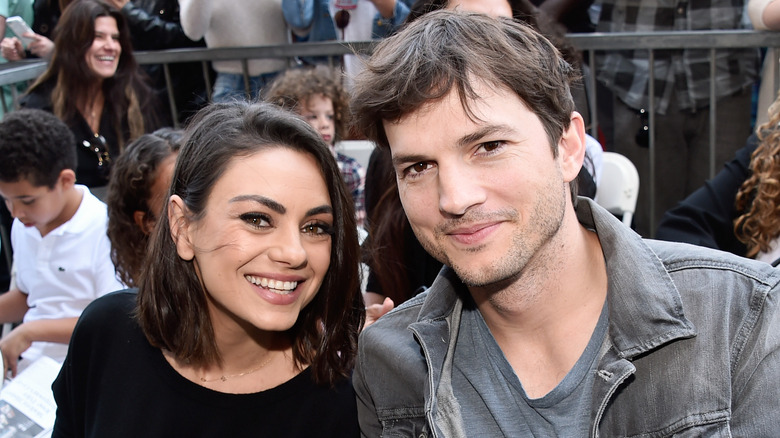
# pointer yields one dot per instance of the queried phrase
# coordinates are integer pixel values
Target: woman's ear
(571, 148)
(180, 227)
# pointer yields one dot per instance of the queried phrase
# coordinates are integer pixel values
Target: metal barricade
(588, 43)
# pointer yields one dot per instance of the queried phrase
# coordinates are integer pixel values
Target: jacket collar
(645, 307)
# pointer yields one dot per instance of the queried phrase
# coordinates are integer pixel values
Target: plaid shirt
(682, 73)
(355, 180)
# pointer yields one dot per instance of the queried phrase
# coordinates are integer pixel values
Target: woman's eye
(256, 220)
(318, 229)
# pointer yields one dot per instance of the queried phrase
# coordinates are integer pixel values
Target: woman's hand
(12, 49)
(41, 46)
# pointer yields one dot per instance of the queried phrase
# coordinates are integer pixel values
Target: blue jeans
(230, 86)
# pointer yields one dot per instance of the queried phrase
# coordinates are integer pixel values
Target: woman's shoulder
(38, 97)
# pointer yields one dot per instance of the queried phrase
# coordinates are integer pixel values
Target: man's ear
(67, 178)
(180, 227)
(571, 148)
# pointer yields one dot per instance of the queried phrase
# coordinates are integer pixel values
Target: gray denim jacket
(693, 347)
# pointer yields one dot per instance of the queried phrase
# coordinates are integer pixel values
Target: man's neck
(544, 319)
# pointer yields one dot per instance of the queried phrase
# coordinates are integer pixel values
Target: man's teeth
(272, 284)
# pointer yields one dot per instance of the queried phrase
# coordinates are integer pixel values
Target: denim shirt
(314, 15)
(693, 347)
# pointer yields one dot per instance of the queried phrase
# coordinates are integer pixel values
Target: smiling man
(551, 318)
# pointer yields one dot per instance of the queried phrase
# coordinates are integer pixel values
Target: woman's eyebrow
(270, 203)
(322, 209)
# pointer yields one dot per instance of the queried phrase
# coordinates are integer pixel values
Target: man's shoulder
(678, 257)
(395, 323)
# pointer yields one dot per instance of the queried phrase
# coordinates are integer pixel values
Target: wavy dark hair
(758, 199)
(127, 94)
(172, 307)
(132, 176)
(293, 87)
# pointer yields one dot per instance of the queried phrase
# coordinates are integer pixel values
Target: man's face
(484, 196)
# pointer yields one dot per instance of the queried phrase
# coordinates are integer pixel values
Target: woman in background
(94, 85)
(736, 211)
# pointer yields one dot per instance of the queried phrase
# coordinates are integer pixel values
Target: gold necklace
(224, 377)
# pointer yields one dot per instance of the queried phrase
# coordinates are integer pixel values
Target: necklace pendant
(223, 378)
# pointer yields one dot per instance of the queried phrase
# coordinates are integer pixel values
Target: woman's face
(103, 55)
(263, 246)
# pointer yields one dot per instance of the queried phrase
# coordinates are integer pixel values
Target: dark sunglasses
(97, 144)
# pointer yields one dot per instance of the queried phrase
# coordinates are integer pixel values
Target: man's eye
(419, 167)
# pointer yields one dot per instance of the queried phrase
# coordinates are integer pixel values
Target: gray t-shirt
(492, 399)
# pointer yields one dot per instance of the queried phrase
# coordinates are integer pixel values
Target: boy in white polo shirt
(61, 250)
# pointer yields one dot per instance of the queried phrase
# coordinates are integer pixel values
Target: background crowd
(119, 118)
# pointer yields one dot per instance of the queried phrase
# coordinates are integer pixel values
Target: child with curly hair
(322, 101)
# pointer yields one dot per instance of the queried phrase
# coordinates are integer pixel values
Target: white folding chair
(618, 187)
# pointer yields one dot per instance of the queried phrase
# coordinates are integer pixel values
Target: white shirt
(65, 270)
(360, 28)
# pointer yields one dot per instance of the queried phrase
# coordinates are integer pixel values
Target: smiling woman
(249, 303)
(95, 86)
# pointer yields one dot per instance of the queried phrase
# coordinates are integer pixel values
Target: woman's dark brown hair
(172, 307)
(127, 95)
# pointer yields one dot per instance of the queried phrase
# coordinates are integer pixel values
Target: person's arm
(41, 330)
(195, 16)
(392, 14)
(706, 217)
(299, 15)
(13, 306)
(764, 14)
(151, 32)
(771, 16)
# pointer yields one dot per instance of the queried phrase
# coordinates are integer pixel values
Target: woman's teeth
(277, 285)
